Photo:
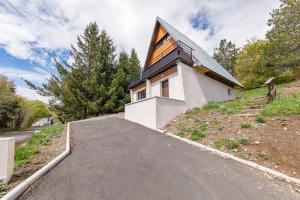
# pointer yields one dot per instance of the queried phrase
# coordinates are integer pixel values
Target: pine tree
(284, 36)
(226, 54)
(81, 89)
(135, 66)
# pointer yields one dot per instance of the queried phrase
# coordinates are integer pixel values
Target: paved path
(22, 136)
(114, 159)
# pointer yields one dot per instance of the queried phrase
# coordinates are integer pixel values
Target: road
(116, 159)
(21, 136)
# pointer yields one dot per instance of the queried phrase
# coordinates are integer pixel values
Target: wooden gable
(155, 53)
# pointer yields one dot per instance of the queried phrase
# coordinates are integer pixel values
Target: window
(165, 88)
(229, 92)
(162, 41)
(141, 94)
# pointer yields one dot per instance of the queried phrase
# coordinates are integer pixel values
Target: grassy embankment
(24, 154)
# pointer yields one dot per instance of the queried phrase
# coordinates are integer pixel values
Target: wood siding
(163, 75)
(161, 32)
(143, 85)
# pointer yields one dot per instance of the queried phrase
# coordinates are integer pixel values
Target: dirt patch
(44, 156)
(274, 144)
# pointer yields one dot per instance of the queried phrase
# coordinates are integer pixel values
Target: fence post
(7, 151)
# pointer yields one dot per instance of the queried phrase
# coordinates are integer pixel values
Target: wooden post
(271, 89)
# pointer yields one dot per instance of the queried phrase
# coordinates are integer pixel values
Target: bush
(260, 119)
(196, 135)
(227, 143)
(245, 125)
(244, 141)
(285, 77)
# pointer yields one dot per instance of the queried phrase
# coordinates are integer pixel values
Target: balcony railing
(177, 50)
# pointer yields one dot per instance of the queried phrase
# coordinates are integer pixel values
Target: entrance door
(165, 88)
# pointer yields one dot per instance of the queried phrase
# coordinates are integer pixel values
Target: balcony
(177, 51)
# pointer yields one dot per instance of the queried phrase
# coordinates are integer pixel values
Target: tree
(94, 83)
(127, 69)
(284, 37)
(9, 103)
(135, 66)
(250, 68)
(33, 110)
(226, 54)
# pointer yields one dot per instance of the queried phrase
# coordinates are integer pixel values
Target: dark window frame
(162, 41)
(141, 94)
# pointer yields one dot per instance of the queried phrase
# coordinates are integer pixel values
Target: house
(178, 75)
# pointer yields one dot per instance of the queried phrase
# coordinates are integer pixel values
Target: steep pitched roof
(199, 54)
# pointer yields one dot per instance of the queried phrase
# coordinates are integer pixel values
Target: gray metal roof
(199, 54)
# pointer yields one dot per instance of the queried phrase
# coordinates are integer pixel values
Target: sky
(34, 32)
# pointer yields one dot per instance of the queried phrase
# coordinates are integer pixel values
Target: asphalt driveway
(115, 159)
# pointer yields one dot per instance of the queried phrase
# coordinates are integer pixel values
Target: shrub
(227, 143)
(244, 141)
(284, 77)
(196, 135)
(245, 125)
(260, 119)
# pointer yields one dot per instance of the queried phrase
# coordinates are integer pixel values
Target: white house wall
(200, 89)
(167, 109)
(175, 87)
(142, 112)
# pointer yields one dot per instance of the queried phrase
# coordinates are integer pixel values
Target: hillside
(249, 127)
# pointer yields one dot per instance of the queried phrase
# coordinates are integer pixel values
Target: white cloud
(54, 25)
(30, 94)
(37, 77)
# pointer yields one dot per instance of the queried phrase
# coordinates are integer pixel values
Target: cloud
(32, 28)
(30, 94)
(38, 76)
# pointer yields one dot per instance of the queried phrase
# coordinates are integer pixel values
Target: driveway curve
(117, 159)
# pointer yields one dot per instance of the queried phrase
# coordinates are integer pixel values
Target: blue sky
(34, 32)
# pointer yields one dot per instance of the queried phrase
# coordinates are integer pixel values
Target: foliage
(127, 68)
(244, 141)
(283, 106)
(94, 83)
(226, 54)
(196, 135)
(285, 77)
(33, 110)
(3, 189)
(284, 36)
(246, 126)
(9, 103)
(260, 119)
(250, 68)
(227, 143)
(44, 137)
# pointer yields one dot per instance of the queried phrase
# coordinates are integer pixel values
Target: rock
(285, 128)
(256, 142)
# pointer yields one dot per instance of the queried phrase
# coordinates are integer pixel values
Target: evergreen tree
(93, 83)
(226, 54)
(135, 65)
(284, 48)
(81, 88)
(118, 92)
